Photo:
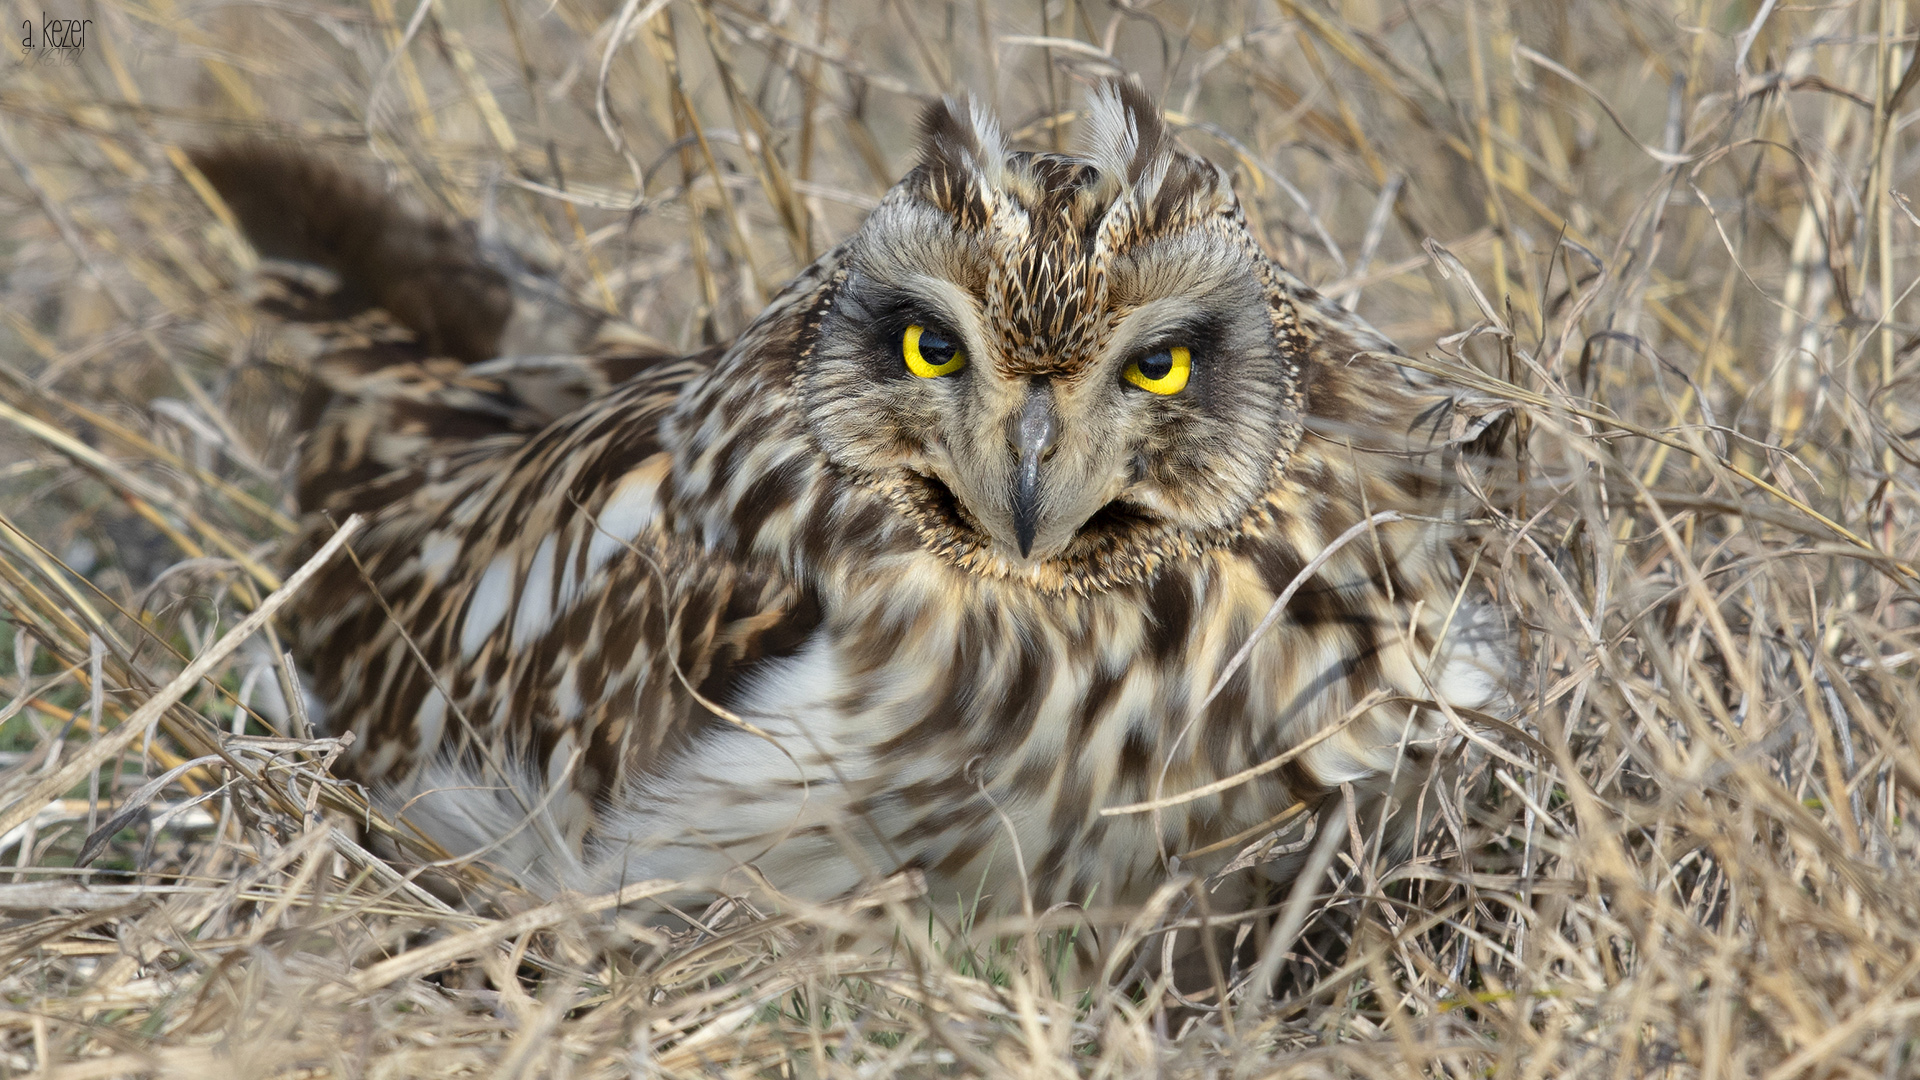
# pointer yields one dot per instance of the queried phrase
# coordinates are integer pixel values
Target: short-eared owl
(935, 562)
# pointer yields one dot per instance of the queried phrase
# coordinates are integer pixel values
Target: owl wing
(517, 595)
(516, 599)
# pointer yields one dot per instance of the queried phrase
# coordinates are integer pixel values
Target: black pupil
(1158, 366)
(934, 349)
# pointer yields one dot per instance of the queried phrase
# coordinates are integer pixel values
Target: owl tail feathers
(430, 276)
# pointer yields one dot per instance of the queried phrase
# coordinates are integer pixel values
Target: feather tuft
(1126, 137)
(961, 143)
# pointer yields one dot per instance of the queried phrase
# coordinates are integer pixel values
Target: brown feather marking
(684, 520)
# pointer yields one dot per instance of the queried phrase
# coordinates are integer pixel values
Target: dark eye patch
(878, 317)
(1200, 334)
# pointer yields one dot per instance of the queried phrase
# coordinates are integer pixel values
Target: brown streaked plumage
(785, 603)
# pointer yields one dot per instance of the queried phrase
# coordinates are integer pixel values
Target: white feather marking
(430, 718)
(1113, 141)
(437, 553)
(534, 613)
(992, 165)
(566, 696)
(385, 758)
(1339, 760)
(666, 826)
(1473, 668)
(560, 761)
(1111, 137)
(800, 690)
(626, 515)
(570, 580)
(488, 604)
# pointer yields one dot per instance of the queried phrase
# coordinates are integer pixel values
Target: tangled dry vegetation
(1675, 237)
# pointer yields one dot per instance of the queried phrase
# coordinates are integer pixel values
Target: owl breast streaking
(941, 558)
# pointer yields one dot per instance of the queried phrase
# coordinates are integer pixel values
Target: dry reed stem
(1673, 239)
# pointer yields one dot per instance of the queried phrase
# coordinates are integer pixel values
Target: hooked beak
(1033, 435)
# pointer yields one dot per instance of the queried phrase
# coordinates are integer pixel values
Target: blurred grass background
(1675, 238)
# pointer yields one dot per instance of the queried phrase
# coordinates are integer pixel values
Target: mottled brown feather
(714, 610)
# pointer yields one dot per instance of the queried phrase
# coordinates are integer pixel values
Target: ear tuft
(961, 143)
(1126, 138)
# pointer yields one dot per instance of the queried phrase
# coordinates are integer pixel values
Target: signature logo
(58, 41)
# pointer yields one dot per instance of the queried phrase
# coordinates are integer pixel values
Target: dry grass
(1675, 236)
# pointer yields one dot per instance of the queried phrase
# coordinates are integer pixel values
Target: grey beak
(1033, 436)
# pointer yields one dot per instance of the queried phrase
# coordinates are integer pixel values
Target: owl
(969, 541)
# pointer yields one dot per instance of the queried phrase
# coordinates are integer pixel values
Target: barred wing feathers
(515, 607)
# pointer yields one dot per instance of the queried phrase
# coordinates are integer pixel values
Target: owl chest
(950, 733)
(1113, 678)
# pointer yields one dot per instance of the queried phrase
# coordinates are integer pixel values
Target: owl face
(1057, 366)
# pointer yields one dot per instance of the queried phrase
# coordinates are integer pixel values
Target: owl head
(1062, 368)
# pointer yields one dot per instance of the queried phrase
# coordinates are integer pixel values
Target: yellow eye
(1165, 372)
(929, 355)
